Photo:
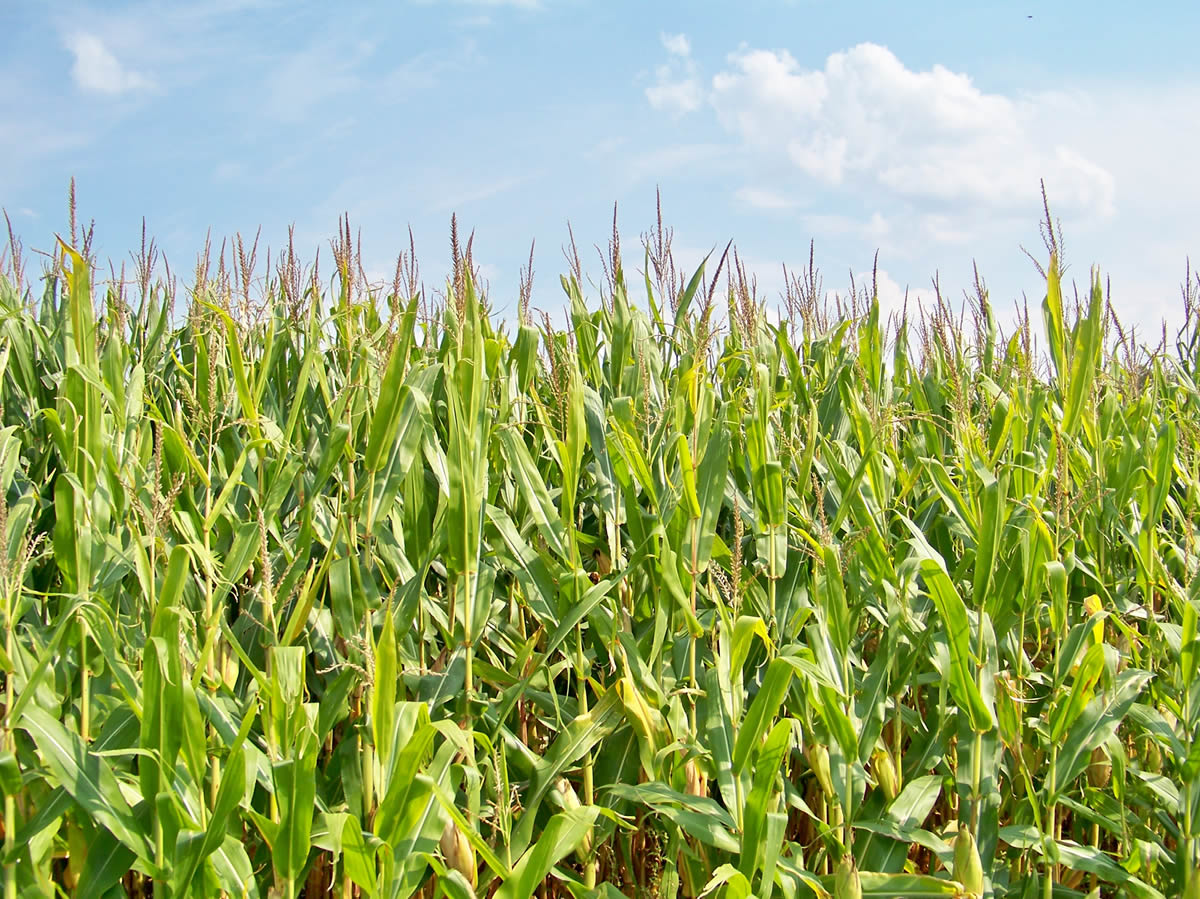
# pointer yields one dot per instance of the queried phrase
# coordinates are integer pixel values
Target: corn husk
(458, 852)
(847, 883)
(697, 780)
(818, 760)
(968, 867)
(885, 773)
(570, 800)
(1099, 770)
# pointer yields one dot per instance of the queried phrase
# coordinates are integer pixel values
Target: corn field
(317, 588)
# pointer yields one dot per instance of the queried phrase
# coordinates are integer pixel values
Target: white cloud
(677, 44)
(937, 172)
(866, 120)
(97, 70)
(676, 89)
(676, 97)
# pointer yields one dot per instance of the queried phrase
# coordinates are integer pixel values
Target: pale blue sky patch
(920, 132)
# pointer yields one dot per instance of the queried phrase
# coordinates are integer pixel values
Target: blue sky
(918, 130)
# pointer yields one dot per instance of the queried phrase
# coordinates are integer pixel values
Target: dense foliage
(314, 587)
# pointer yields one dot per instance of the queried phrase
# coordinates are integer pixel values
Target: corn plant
(336, 588)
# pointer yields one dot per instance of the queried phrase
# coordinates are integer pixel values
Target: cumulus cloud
(675, 96)
(677, 89)
(865, 120)
(97, 70)
(677, 44)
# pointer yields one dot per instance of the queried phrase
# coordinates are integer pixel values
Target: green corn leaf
(767, 767)
(383, 694)
(295, 789)
(736, 883)
(580, 736)
(688, 470)
(403, 786)
(763, 710)
(1052, 314)
(1098, 721)
(533, 489)
(1069, 707)
(991, 524)
(953, 613)
(394, 409)
(89, 780)
(200, 846)
(562, 835)
(107, 861)
(1085, 357)
(1164, 461)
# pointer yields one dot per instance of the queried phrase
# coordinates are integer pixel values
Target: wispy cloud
(517, 4)
(873, 229)
(312, 77)
(480, 192)
(97, 69)
(693, 158)
(760, 198)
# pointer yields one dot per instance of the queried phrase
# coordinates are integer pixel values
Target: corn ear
(847, 884)
(458, 852)
(818, 760)
(697, 780)
(968, 867)
(885, 773)
(1099, 770)
(570, 801)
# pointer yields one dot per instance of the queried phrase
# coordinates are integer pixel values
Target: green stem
(692, 648)
(85, 705)
(10, 808)
(772, 577)
(977, 750)
(10, 827)
(368, 778)
(1048, 834)
(592, 865)
(209, 621)
(469, 579)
